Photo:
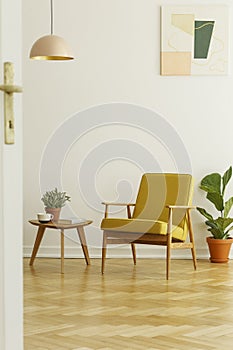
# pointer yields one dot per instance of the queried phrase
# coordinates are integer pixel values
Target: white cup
(44, 217)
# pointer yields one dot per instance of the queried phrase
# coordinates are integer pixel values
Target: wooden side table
(61, 225)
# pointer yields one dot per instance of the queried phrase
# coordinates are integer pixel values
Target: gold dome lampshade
(51, 47)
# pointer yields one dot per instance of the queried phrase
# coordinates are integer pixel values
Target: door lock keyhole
(11, 126)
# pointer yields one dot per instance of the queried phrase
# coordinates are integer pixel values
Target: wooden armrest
(115, 203)
(128, 205)
(180, 207)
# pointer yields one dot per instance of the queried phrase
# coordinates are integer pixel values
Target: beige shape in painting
(175, 63)
(185, 22)
(219, 66)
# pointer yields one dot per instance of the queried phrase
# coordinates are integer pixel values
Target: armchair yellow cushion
(141, 226)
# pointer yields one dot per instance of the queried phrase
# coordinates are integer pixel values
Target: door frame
(11, 188)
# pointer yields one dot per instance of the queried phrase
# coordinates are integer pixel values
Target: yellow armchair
(161, 216)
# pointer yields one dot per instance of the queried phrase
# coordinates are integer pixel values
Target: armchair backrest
(157, 190)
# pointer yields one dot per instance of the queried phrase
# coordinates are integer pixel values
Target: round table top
(61, 224)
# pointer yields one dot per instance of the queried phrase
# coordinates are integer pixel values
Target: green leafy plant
(215, 186)
(55, 199)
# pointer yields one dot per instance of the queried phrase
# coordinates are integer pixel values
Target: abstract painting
(194, 40)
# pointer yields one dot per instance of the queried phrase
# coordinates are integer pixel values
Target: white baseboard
(115, 252)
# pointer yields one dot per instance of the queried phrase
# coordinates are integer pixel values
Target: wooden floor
(129, 307)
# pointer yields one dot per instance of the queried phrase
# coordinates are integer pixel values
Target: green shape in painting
(202, 37)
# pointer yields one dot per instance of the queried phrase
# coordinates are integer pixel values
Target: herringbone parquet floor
(129, 307)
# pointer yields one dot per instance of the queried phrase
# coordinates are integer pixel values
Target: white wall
(117, 50)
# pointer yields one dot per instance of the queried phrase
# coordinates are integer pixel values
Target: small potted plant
(220, 243)
(53, 201)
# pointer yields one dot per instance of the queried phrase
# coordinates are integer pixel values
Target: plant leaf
(226, 178)
(218, 227)
(211, 183)
(228, 206)
(217, 234)
(205, 214)
(215, 229)
(216, 199)
(223, 223)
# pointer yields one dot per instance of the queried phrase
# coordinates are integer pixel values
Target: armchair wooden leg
(194, 258)
(168, 261)
(134, 252)
(104, 250)
(191, 237)
(169, 239)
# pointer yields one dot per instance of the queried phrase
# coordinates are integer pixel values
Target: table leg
(62, 251)
(39, 237)
(83, 242)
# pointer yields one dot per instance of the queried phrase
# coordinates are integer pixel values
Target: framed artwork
(194, 40)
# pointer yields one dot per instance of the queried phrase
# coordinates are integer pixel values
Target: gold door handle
(9, 89)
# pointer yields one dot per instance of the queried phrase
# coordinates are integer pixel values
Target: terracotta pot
(219, 249)
(55, 212)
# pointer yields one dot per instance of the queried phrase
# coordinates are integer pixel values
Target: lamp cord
(51, 14)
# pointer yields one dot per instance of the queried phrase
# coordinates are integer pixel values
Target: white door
(11, 329)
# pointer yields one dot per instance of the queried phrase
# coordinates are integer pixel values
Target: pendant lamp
(51, 47)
